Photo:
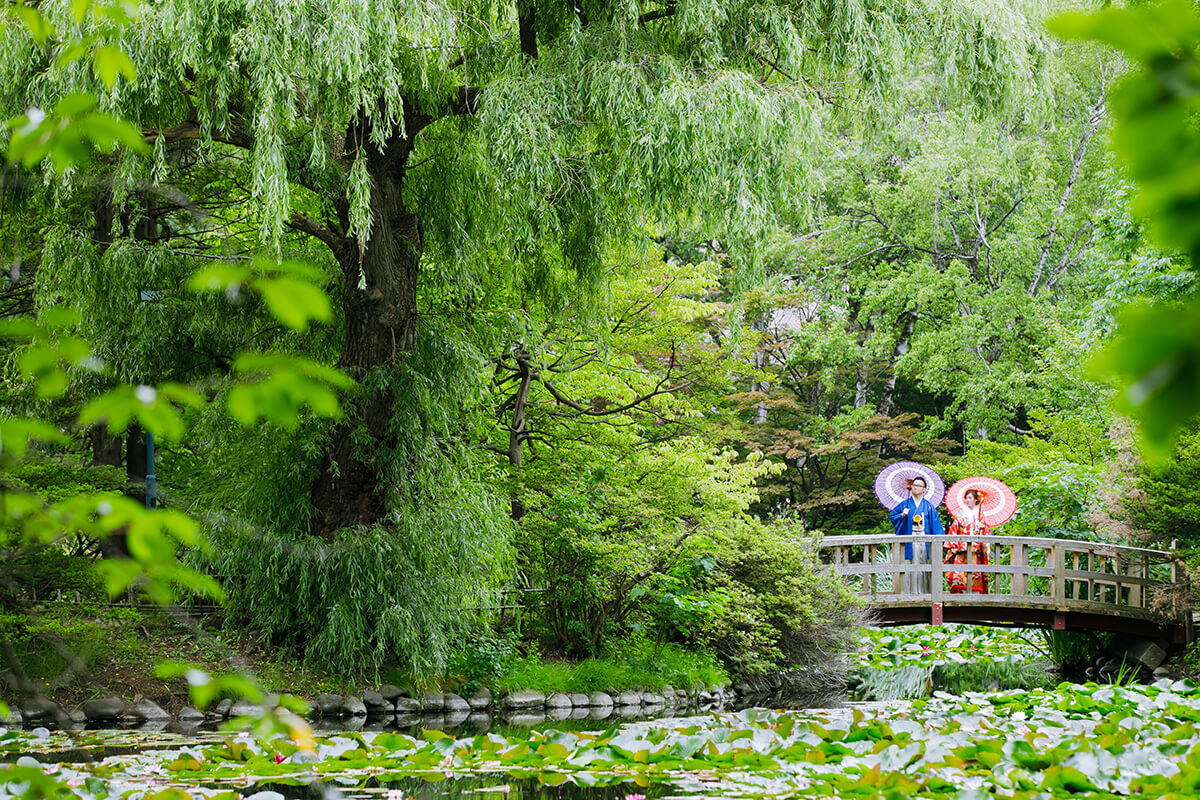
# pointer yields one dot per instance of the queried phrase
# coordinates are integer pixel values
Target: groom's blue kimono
(903, 523)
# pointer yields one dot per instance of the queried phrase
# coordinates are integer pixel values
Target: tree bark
(106, 448)
(527, 27)
(379, 301)
(516, 432)
(908, 321)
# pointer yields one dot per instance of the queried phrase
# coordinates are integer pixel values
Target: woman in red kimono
(969, 522)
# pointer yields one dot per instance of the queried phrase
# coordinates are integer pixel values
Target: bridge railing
(1023, 572)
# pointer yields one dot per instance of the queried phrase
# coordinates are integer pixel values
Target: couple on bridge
(917, 514)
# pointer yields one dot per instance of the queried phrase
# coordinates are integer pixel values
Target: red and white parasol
(997, 502)
(893, 482)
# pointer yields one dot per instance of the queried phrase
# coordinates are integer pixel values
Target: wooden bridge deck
(1033, 582)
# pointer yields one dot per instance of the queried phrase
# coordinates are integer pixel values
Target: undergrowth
(631, 664)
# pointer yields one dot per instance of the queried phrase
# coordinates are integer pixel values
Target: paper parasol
(997, 503)
(892, 482)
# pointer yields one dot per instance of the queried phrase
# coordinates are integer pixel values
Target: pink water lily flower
(635, 797)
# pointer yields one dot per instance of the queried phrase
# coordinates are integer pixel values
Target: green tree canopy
(444, 149)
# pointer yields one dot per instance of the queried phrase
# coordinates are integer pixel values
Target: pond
(1105, 741)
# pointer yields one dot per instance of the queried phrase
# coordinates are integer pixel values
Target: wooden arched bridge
(1050, 583)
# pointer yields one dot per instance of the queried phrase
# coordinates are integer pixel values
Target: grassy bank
(73, 653)
(647, 667)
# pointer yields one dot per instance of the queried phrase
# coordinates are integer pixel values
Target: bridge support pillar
(935, 614)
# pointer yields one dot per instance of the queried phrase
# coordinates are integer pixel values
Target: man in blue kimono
(916, 516)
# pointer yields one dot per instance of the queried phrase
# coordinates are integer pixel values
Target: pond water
(1045, 741)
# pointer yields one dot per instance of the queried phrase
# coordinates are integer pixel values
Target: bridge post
(1059, 592)
(937, 569)
(897, 559)
(869, 558)
(1018, 559)
(1139, 568)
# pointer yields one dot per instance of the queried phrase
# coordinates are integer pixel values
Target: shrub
(782, 608)
(43, 637)
(481, 660)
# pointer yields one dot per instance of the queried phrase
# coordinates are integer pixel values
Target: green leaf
(39, 28)
(79, 9)
(16, 433)
(106, 132)
(111, 62)
(67, 149)
(218, 277)
(73, 104)
(1157, 358)
(118, 575)
(153, 409)
(248, 363)
(71, 51)
(19, 328)
(294, 302)
(1142, 32)
(42, 364)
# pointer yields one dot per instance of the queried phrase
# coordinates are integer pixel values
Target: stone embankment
(391, 706)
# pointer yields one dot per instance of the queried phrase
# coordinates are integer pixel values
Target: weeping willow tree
(468, 150)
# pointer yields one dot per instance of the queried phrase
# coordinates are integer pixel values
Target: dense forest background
(465, 333)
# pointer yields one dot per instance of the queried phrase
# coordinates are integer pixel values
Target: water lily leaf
(553, 750)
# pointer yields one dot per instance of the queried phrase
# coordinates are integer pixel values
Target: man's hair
(922, 480)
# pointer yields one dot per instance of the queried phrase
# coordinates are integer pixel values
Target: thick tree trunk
(106, 448)
(380, 305)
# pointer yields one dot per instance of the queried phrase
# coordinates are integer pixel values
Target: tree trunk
(516, 433)
(106, 448)
(908, 321)
(860, 386)
(380, 305)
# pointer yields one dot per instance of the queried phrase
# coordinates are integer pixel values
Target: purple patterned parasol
(892, 482)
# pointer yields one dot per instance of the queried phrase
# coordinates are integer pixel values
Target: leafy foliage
(1167, 501)
(352, 605)
(1105, 741)
(1073, 477)
(1154, 109)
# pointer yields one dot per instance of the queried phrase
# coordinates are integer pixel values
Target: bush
(781, 608)
(38, 573)
(42, 637)
(1167, 503)
(481, 660)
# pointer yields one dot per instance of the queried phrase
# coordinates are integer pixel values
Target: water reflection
(911, 682)
(486, 787)
(461, 723)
